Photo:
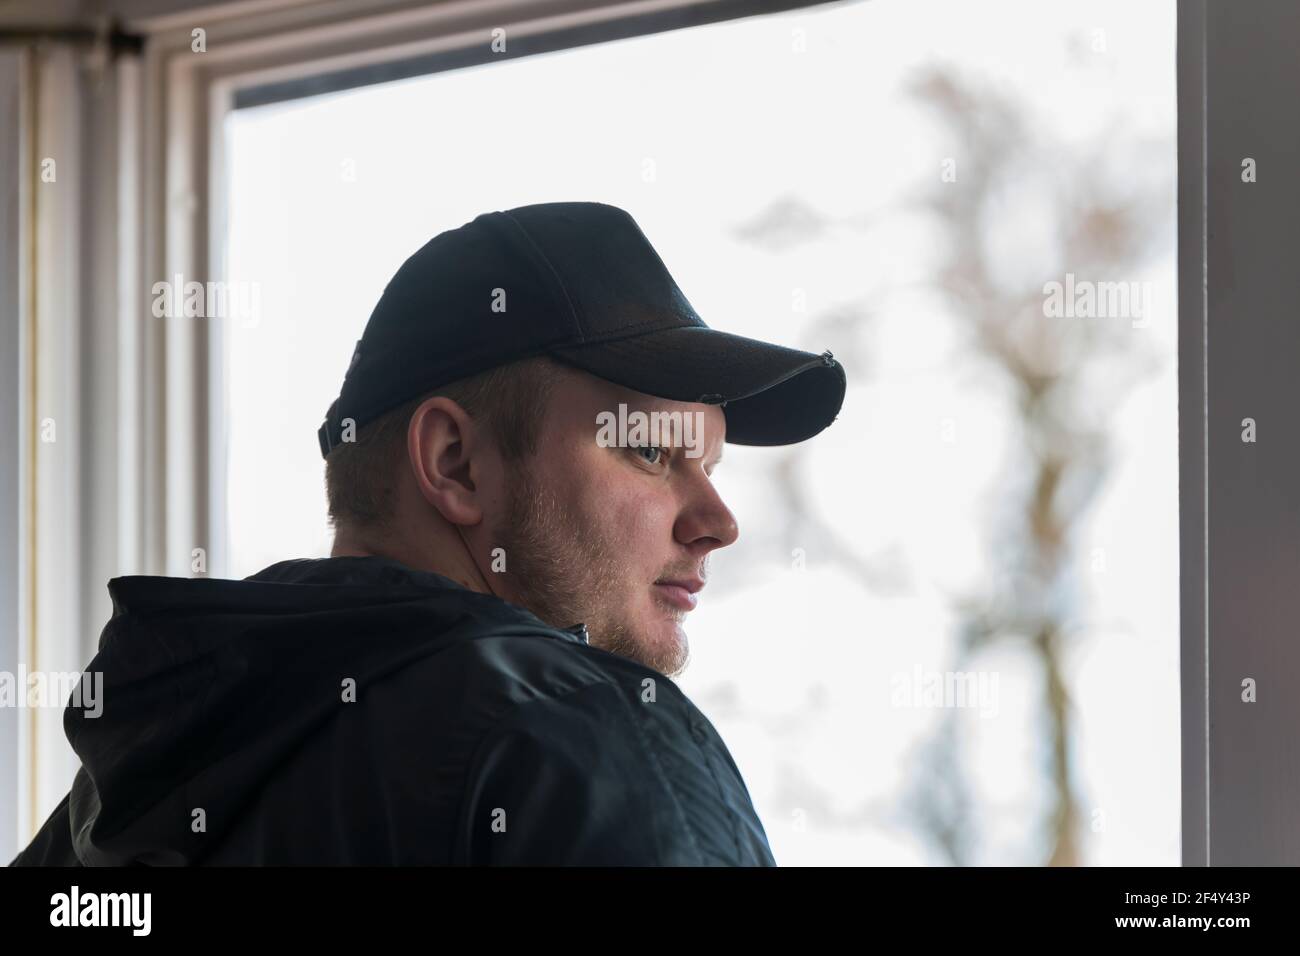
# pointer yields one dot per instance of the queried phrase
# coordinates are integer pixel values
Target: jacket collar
(375, 569)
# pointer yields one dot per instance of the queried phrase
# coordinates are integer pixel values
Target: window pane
(949, 631)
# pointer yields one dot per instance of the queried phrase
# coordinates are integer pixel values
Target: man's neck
(457, 566)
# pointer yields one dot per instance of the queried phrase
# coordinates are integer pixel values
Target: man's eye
(652, 454)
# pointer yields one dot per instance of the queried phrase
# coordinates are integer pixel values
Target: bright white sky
(329, 195)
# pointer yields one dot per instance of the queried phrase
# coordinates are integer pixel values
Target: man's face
(592, 531)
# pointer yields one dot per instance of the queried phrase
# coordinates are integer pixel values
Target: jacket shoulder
(603, 761)
(52, 845)
(572, 779)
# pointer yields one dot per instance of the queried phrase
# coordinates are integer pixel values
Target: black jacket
(356, 711)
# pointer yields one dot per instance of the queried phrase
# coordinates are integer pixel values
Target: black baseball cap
(577, 281)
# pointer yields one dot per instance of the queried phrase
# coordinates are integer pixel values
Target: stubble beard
(565, 571)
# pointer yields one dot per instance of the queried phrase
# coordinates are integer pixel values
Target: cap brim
(774, 395)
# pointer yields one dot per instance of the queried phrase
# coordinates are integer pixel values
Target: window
(983, 550)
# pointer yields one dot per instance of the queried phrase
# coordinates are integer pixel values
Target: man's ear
(442, 443)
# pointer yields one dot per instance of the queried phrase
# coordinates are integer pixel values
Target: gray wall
(1241, 760)
(11, 142)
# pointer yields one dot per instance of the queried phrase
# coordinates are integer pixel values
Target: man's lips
(680, 592)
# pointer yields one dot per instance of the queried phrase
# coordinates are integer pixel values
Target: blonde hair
(509, 401)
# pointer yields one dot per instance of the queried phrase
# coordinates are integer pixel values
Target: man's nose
(705, 519)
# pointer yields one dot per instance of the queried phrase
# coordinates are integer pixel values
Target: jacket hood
(209, 684)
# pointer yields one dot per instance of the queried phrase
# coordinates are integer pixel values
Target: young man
(518, 470)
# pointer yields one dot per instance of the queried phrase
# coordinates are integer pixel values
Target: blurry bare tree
(1111, 203)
